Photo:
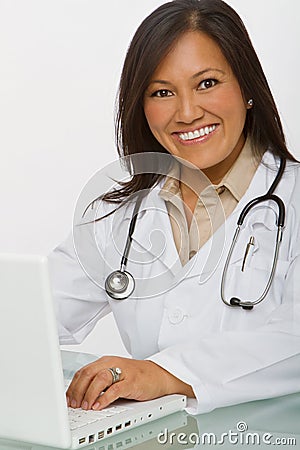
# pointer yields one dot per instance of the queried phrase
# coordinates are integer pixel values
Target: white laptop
(32, 388)
(148, 436)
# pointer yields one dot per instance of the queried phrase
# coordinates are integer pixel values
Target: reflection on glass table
(260, 424)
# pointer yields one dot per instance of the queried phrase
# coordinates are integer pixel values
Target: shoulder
(292, 176)
(290, 192)
(288, 188)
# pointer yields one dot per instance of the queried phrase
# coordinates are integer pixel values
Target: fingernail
(96, 405)
(85, 405)
(73, 403)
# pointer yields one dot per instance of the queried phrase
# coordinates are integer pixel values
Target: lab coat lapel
(153, 232)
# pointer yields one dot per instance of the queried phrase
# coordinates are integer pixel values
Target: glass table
(260, 424)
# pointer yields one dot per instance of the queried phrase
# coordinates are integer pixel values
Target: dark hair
(153, 39)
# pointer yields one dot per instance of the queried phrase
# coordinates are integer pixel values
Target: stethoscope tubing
(264, 198)
(132, 224)
(247, 304)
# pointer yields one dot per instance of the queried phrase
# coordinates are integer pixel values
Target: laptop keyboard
(80, 417)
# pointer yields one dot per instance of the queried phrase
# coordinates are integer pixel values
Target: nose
(189, 108)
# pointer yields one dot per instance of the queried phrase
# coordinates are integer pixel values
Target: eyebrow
(196, 75)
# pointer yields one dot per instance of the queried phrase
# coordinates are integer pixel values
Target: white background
(60, 62)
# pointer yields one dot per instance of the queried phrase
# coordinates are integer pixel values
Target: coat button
(176, 316)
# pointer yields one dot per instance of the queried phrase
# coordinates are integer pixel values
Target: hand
(92, 388)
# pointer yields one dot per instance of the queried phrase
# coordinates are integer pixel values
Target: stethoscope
(120, 284)
(269, 196)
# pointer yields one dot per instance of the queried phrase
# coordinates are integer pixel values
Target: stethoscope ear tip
(247, 307)
(234, 301)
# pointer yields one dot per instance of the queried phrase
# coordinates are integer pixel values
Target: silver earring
(250, 102)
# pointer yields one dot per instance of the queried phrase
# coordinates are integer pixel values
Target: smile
(197, 133)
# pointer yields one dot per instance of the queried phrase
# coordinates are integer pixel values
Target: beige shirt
(215, 203)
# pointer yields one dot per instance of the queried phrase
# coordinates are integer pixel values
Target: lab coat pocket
(251, 264)
(249, 282)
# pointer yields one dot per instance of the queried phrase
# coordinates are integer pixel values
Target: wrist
(171, 384)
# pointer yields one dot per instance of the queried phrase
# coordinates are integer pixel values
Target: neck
(216, 173)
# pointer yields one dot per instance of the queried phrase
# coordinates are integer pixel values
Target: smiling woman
(198, 115)
(192, 90)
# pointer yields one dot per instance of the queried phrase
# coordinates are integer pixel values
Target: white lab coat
(176, 317)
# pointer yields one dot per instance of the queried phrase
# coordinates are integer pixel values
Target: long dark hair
(152, 41)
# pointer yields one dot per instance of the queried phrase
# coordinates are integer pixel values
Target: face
(194, 106)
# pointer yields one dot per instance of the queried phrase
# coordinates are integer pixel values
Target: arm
(79, 300)
(236, 367)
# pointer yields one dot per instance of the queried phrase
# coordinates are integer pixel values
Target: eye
(162, 93)
(207, 84)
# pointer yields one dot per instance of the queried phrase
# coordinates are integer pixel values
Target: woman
(192, 87)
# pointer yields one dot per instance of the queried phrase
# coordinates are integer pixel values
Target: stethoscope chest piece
(119, 285)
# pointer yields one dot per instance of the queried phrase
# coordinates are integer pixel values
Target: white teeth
(197, 133)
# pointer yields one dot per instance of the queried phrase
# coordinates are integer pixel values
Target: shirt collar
(171, 185)
(246, 164)
(239, 176)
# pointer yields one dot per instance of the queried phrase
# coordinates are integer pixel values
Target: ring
(115, 372)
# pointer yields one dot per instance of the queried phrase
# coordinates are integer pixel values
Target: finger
(80, 384)
(112, 394)
(101, 381)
